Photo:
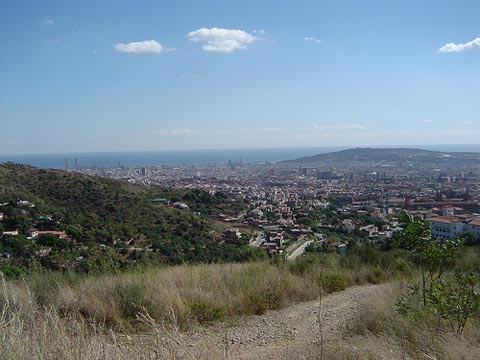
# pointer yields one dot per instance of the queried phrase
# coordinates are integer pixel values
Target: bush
(258, 302)
(333, 282)
(402, 267)
(205, 312)
(376, 275)
(11, 272)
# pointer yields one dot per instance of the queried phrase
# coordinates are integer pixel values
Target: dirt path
(290, 333)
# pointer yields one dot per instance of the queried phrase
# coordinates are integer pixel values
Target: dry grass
(138, 315)
(52, 316)
(233, 289)
(201, 292)
(379, 332)
(28, 331)
(143, 315)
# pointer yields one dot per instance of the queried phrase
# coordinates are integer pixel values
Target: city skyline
(122, 76)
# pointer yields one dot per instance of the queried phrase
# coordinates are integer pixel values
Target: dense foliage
(108, 223)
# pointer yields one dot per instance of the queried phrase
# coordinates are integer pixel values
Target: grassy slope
(142, 314)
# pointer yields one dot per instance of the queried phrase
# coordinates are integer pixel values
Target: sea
(216, 156)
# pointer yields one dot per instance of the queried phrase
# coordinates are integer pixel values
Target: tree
(433, 255)
(456, 301)
(16, 245)
(468, 237)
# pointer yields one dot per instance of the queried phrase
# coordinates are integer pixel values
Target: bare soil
(295, 332)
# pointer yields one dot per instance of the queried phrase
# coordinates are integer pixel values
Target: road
(295, 245)
(299, 250)
(290, 333)
(259, 240)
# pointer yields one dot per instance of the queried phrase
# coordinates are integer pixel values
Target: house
(60, 234)
(348, 225)
(371, 229)
(25, 203)
(450, 226)
(448, 210)
(255, 214)
(275, 237)
(227, 218)
(342, 248)
(180, 205)
(31, 233)
(473, 226)
(160, 200)
(272, 248)
(231, 235)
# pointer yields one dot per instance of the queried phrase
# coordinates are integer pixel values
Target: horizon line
(398, 146)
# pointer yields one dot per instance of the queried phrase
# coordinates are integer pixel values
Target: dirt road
(286, 333)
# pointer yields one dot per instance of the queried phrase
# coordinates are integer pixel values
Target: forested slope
(108, 221)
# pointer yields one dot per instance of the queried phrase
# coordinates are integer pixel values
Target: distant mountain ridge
(391, 155)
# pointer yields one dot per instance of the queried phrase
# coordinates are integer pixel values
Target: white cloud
(327, 130)
(273, 130)
(173, 132)
(184, 76)
(429, 120)
(261, 31)
(148, 46)
(337, 128)
(452, 47)
(312, 38)
(221, 40)
(49, 41)
(46, 21)
(225, 131)
(467, 122)
(328, 134)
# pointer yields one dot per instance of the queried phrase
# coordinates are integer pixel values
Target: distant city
(366, 193)
(365, 188)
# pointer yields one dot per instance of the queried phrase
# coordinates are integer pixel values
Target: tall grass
(203, 293)
(139, 314)
(224, 290)
(380, 332)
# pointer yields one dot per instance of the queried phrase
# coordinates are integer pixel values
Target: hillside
(107, 223)
(392, 155)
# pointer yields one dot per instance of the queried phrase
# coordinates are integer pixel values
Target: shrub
(333, 282)
(205, 312)
(10, 271)
(401, 267)
(376, 275)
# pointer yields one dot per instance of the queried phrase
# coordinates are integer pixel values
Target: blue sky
(117, 75)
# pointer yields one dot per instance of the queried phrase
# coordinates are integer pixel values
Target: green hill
(108, 223)
(392, 155)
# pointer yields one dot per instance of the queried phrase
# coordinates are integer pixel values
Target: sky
(124, 75)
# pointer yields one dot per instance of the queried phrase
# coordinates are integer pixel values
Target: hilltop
(108, 223)
(392, 155)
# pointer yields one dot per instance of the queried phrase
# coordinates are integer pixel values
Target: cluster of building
(363, 196)
(290, 205)
(451, 225)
